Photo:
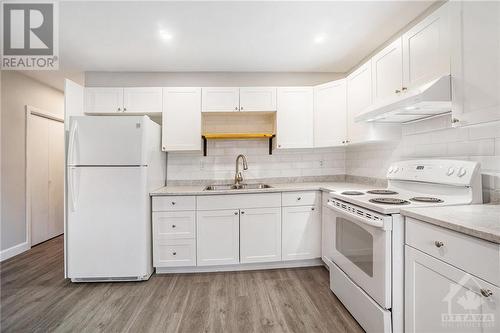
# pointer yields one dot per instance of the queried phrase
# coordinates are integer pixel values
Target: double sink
(225, 187)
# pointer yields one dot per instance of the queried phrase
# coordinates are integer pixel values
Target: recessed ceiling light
(319, 39)
(165, 35)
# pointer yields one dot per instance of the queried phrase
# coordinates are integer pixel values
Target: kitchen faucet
(238, 177)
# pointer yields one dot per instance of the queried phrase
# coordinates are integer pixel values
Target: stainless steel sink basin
(225, 187)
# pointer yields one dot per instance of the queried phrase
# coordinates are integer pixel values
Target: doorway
(44, 175)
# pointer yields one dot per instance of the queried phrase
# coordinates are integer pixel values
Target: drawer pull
(299, 198)
(312, 208)
(173, 226)
(243, 212)
(486, 292)
(173, 203)
(235, 213)
(439, 244)
(174, 253)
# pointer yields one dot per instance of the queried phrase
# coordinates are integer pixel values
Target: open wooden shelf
(237, 136)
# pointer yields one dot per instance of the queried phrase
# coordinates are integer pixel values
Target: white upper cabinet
(257, 99)
(359, 96)
(181, 121)
(294, 118)
(330, 114)
(123, 100)
(387, 72)
(426, 49)
(142, 100)
(220, 99)
(103, 100)
(475, 62)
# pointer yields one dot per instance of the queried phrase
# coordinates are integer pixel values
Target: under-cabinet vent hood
(427, 100)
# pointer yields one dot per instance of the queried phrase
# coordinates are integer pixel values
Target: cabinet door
(295, 117)
(217, 236)
(301, 235)
(438, 295)
(426, 49)
(181, 121)
(359, 96)
(142, 100)
(330, 114)
(257, 99)
(476, 61)
(327, 235)
(387, 72)
(220, 99)
(103, 100)
(260, 235)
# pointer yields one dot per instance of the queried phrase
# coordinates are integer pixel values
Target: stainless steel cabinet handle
(312, 208)
(299, 198)
(439, 244)
(242, 212)
(173, 226)
(236, 108)
(404, 89)
(241, 108)
(397, 91)
(174, 253)
(119, 109)
(173, 203)
(455, 120)
(235, 213)
(486, 292)
(124, 109)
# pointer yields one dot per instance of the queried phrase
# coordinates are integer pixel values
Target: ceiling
(227, 36)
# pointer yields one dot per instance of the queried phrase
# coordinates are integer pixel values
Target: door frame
(31, 112)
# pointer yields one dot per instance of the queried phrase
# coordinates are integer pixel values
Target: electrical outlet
(321, 163)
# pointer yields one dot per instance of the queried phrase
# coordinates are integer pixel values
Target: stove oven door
(362, 250)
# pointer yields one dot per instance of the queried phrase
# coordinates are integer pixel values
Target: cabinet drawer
(237, 201)
(168, 203)
(174, 225)
(174, 253)
(307, 198)
(473, 255)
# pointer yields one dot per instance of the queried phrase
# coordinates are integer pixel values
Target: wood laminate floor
(36, 298)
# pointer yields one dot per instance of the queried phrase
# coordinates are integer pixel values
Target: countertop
(284, 187)
(481, 221)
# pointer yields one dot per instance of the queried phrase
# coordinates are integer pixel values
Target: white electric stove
(367, 270)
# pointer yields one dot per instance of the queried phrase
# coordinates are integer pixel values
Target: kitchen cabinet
(330, 114)
(475, 62)
(327, 234)
(217, 235)
(181, 121)
(220, 99)
(257, 99)
(301, 232)
(260, 235)
(123, 100)
(436, 291)
(426, 49)
(295, 118)
(387, 72)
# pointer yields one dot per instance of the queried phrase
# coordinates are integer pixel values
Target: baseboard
(14, 251)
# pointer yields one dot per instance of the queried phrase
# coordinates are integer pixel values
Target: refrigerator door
(109, 228)
(107, 140)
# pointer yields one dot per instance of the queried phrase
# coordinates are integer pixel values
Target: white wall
(18, 91)
(434, 139)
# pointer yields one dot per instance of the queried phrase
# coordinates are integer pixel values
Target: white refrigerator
(113, 163)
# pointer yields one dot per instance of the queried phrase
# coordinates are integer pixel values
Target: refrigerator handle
(71, 186)
(71, 144)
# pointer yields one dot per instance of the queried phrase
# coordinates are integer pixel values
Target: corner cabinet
(181, 121)
(294, 118)
(135, 101)
(330, 114)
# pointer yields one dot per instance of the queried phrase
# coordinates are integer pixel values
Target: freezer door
(107, 140)
(108, 227)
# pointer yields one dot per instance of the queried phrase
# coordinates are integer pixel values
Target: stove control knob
(461, 172)
(396, 169)
(391, 170)
(450, 171)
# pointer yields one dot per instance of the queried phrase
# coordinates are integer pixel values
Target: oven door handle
(376, 224)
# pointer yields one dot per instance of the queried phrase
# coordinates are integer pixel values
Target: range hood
(427, 100)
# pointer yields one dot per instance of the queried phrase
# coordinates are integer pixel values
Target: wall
(434, 139)
(18, 91)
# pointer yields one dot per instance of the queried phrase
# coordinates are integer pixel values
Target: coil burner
(426, 199)
(384, 192)
(390, 201)
(352, 193)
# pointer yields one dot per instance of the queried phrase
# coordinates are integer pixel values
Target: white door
(107, 140)
(295, 117)
(438, 296)
(109, 228)
(257, 99)
(359, 96)
(301, 235)
(330, 114)
(103, 100)
(426, 49)
(142, 100)
(220, 99)
(46, 178)
(476, 62)
(260, 235)
(327, 235)
(217, 237)
(387, 72)
(181, 121)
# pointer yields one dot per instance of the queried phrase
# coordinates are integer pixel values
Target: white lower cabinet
(175, 253)
(217, 235)
(327, 235)
(260, 235)
(301, 232)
